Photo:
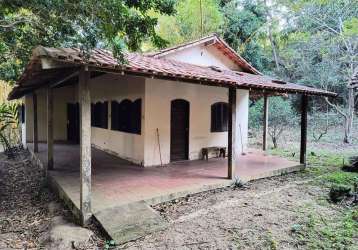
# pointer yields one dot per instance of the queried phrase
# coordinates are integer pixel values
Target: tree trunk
(274, 141)
(348, 121)
(272, 41)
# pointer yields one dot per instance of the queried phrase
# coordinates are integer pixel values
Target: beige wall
(160, 93)
(62, 96)
(115, 87)
(203, 56)
(103, 88)
(156, 103)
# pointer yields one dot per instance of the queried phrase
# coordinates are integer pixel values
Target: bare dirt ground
(266, 214)
(31, 217)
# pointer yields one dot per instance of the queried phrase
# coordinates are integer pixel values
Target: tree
(185, 25)
(112, 24)
(244, 30)
(322, 50)
(279, 121)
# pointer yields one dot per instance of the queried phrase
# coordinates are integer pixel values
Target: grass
(327, 233)
(317, 231)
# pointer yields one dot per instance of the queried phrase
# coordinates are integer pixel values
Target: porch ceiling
(59, 60)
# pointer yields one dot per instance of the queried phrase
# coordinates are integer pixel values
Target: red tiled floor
(115, 181)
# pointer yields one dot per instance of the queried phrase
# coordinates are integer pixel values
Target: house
(153, 109)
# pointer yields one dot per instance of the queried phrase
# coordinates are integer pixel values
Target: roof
(211, 40)
(100, 60)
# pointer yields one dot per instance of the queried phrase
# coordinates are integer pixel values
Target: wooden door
(73, 122)
(179, 130)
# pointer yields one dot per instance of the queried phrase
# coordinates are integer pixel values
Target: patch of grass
(328, 233)
(339, 177)
(270, 242)
(321, 162)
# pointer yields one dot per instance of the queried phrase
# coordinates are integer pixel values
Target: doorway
(179, 130)
(73, 123)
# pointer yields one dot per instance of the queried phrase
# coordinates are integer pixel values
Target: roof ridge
(183, 44)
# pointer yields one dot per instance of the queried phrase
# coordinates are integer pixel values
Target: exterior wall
(242, 120)
(103, 88)
(203, 56)
(114, 87)
(160, 93)
(62, 96)
(23, 126)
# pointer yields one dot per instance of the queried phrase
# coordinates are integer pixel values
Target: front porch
(116, 182)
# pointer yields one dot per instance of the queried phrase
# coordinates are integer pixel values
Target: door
(179, 130)
(73, 122)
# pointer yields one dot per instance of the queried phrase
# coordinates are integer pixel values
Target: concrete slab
(122, 191)
(130, 222)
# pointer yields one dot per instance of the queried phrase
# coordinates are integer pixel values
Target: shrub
(339, 192)
(281, 116)
(9, 124)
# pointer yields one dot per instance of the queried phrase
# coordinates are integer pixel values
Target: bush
(281, 116)
(339, 192)
(9, 125)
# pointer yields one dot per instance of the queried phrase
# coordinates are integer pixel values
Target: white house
(152, 109)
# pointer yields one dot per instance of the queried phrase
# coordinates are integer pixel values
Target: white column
(23, 124)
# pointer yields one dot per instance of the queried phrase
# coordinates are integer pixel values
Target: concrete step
(130, 222)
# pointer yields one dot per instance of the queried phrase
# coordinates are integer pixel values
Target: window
(219, 117)
(99, 115)
(21, 112)
(126, 116)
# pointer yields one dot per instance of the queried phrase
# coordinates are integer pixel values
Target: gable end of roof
(211, 40)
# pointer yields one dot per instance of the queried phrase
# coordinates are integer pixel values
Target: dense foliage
(114, 24)
(9, 126)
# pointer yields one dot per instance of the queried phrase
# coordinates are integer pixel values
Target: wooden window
(136, 118)
(126, 116)
(99, 115)
(219, 117)
(114, 115)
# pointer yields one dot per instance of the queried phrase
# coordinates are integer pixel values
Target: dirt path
(262, 216)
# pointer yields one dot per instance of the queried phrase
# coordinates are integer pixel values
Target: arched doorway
(179, 130)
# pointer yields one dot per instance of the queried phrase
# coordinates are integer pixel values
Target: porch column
(85, 145)
(232, 126)
(265, 125)
(35, 125)
(49, 128)
(304, 106)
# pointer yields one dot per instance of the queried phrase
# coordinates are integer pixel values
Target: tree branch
(320, 22)
(6, 25)
(336, 108)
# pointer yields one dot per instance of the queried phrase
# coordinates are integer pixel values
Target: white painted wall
(62, 96)
(242, 119)
(115, 87)
(103, 88)
(203, 56)
(160, 93)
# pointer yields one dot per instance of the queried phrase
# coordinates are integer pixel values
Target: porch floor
(116, 182)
